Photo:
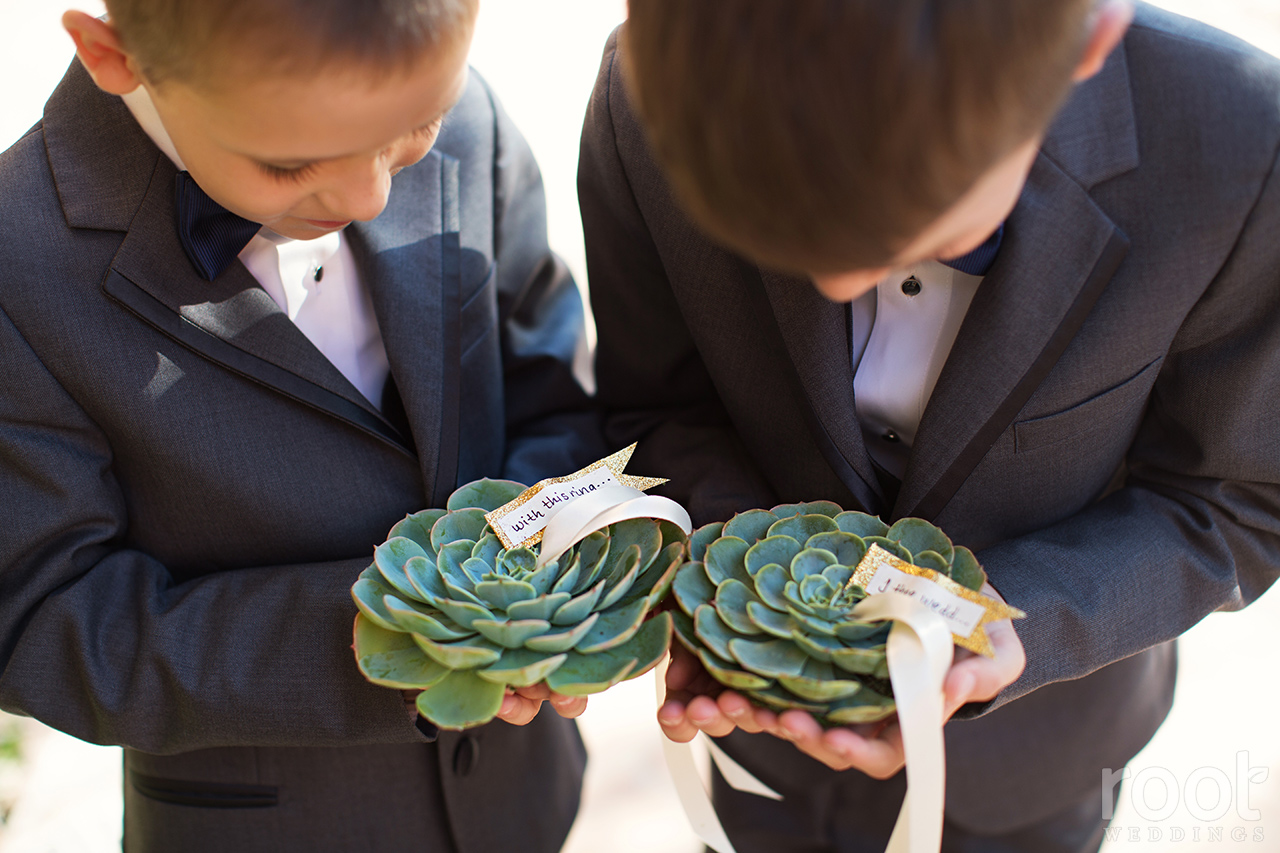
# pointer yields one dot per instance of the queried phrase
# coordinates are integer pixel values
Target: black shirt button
(319, 274)
(890, 436)
(911, 286)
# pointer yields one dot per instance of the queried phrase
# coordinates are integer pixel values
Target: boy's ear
(1108, 25)
(101, 53)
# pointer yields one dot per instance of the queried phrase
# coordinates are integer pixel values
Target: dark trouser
(856, 815)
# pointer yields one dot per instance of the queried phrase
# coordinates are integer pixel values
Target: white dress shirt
(315, 282)
(903, 331)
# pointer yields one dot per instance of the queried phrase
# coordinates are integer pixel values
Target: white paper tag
(960, 615)
(532, 516)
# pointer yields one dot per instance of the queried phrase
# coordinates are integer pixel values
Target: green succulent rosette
(446, 609)
(766, 604)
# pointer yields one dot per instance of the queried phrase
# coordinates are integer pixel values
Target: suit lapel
(410, 257)
(231, 320)
(816, 333)
(1059, 253)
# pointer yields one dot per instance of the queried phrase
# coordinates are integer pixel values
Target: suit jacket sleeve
(652, 382)
(97, 640)
(552, 425)
(1196, 528)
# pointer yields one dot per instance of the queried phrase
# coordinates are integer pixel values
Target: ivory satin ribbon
(919, 653)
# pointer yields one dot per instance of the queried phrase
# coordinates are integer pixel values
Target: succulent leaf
(613, 628)
(712, 631)
(501, 594)
(393, 659)
(770, 582)
(461, 524)
(692, 587)
(895, 548)
(865, 706)
(770, 658)
(770, 621)
(432, 624)
(522, 667)
(465, 613)
(749, 526)
(562, 641)
(861, 525)
(460, 654)
(848, 548)
(622, 577)
(773, 549)
(701, 538)
(579, 608)
(542, 607)
(461, 700)
(811, 561)
(916, 535)
(724, 560)
(801, 527)
(487, 549)
(368, 595)
(781, 699)
(647, 645)
(424, 577)
(818, 683)
(966, 571)
(418, 528)
(485, 494)
(390, 558)
(932, 560)
(582, 675)
(732, 598)
(511, 634)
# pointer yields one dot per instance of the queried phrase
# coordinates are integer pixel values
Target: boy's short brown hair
(824, 135)
(185, 39)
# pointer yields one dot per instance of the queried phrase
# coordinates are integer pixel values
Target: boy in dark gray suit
(1048, 245)
(206, 424)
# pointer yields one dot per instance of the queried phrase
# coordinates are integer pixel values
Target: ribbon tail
(919, 654)
(694, 797)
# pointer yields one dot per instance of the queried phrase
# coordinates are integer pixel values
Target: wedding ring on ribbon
(919, 654)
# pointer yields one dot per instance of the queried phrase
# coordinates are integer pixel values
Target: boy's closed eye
(299, 172)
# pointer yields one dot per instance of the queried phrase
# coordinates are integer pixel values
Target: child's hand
(693, 705)
(520, 706)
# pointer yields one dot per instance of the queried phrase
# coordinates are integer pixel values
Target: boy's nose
(359, 193)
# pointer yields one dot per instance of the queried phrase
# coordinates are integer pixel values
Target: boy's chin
(306, 229)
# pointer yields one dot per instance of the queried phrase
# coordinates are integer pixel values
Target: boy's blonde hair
(194, 41)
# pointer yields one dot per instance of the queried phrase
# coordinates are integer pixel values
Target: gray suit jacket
(189, 488)
(1105, 432)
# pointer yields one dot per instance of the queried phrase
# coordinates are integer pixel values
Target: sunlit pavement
(541, 57)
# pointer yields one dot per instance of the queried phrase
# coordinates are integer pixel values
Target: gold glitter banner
(966, 612)
(519, 523)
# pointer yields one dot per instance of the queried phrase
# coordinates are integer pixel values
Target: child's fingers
(568, 706)
(518, 710)
(704, 713)
(740, 711)
(675, 725)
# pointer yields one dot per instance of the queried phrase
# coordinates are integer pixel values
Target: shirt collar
(144, 112)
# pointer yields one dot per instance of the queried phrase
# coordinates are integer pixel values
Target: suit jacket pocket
(1118, 407)
(208, 795)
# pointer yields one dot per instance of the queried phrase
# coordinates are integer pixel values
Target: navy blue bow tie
(981, 259)
(211, 235)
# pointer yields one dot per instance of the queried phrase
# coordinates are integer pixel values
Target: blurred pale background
(59, 795)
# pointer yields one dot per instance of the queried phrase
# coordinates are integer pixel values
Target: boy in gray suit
(1046, 234)
(275, 274)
